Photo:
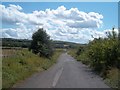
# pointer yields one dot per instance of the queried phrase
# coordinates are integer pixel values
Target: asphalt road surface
(66, 73)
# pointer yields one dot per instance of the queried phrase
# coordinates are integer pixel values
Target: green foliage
(64, 44)
(80, 50)
(102, 54)
(41, 44)
(83, 58)
(113, 78)
(24, 64)
(24, 43)
(9, 42)
(72, 52)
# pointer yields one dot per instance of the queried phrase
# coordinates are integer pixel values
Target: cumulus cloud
(14, 13)
(83, 24)
(61, 23)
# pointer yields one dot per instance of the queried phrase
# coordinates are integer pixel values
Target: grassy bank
(23, 64)
(72, 52)
(112, 75)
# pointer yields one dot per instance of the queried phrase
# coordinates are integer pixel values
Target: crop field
(10, 52)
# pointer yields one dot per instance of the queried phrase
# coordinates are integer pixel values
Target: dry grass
(10, 52)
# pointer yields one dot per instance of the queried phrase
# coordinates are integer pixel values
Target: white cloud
(15, 7)
(60, 24)
(83, 24)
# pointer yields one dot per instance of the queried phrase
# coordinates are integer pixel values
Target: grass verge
(23, 64)
(113, 78)
(113, 74)
(72, 52)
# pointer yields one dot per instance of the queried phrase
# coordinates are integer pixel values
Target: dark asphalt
(66, 73)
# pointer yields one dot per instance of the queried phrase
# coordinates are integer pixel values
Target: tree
(41, 43)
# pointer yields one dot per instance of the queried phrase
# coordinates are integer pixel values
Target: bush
(101, 54)
(104, 53)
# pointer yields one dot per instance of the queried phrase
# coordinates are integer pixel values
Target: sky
(66, 21)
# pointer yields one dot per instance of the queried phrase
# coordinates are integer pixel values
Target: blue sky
(109, 11)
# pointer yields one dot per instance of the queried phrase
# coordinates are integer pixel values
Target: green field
(22, 63)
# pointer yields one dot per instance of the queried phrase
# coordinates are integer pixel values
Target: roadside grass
(113, 78)
(82, 57)
(72, 52)
(23, 64)
(113, 75)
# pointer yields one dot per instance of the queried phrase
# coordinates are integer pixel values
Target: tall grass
(24, 64)
(72, 52)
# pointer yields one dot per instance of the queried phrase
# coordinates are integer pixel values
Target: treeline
(40, 44)
(64, 44)
(10, 42)
(25, 43)
(102, 54)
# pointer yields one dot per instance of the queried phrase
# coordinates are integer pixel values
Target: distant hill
(64, 44)
(25, 43)
(10, 42)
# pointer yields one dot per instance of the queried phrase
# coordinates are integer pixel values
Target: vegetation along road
(41, 54)
(66, 73)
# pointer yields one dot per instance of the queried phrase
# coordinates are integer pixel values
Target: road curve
(66, 73)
